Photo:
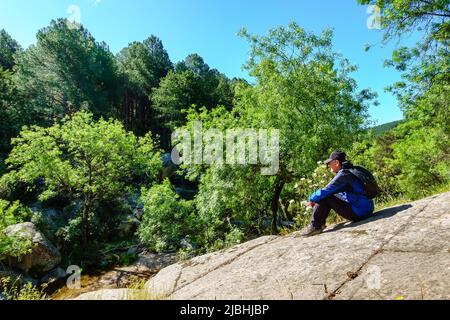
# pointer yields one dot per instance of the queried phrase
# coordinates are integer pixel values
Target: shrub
(232, 238)
(167, 218)
(422, 160)
(13, 213)
(302, 189)
(16, 289)
(10, 214)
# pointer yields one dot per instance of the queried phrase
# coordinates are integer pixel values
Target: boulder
(154, 262)
(402, 252)
(43, 256)
(54, 275)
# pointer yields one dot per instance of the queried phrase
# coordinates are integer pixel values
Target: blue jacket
(347, 187)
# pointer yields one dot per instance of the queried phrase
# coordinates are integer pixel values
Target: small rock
(155, 262)
(133, 250)
(54, 275)
(186, 244)
(138, 213)
(128, 226)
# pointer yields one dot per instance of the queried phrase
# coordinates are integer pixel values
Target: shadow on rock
(382, 214)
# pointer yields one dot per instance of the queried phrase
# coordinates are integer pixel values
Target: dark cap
(337, 155)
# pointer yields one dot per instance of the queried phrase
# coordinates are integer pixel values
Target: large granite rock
(402, 252)
(43, 256)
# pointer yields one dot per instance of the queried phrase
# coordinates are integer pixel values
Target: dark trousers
(322, 209)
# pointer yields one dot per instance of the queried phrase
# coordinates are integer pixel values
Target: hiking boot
(312, 231)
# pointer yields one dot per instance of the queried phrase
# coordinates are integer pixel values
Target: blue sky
(209, 28)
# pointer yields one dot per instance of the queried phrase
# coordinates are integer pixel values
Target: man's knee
(319, 203)
(324, 201)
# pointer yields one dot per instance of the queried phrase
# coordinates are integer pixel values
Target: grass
(16, 289)
(136, 283)
(402, 200)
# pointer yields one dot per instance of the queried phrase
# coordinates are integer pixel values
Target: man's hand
(311, 204)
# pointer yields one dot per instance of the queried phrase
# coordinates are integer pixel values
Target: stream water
(95, 281)
(146, 266)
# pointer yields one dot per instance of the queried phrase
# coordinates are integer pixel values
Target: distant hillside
(379, 130)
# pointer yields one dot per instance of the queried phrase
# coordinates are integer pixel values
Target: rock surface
(112, 294)
(128, 226)
(402, 252)
(43, 257)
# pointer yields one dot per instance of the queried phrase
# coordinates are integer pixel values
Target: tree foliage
(143, 65)
(167, 219)
(192, 82)
(8, 48)
(304, 90)
(84, 159)
(7, 123)
(416, 152)
(67, 71)
(400, 17)
(10, 214)
(64, 87)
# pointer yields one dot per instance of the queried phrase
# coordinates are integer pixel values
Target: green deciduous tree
(419, 147)
(304, 90)
(84, 159)
(399, 17)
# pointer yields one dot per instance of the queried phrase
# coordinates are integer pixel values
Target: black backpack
(371, 189)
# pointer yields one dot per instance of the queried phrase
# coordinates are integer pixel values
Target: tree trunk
(285, 210)
(277, 188)
(85, 225)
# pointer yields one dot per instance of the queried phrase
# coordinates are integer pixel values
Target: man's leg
(322, 209)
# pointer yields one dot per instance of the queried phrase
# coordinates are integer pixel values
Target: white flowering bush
(302, 189)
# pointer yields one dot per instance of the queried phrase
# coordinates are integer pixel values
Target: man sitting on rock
(344, 194)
